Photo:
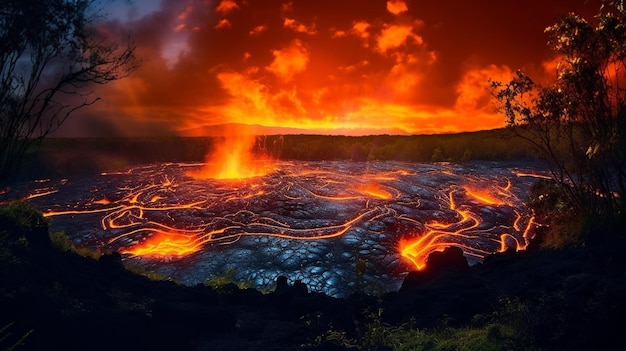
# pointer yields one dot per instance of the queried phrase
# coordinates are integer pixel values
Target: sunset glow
(323, 67)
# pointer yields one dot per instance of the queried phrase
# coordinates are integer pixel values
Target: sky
(329, 66)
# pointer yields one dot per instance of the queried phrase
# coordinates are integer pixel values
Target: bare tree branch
(51, 56)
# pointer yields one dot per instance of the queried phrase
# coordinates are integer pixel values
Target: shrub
(578, 122)
(21, 217)
(562, 226)
(22, 228)
(61, 241)
(221, 281)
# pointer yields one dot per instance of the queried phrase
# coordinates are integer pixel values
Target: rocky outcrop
(450, 260)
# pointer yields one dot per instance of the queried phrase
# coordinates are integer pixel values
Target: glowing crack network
(307, 221)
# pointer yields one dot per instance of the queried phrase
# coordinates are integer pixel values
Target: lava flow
(307, 221)
(375, 190)
(165, 245)
(462, 229)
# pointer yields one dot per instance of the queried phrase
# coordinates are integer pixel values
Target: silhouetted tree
(579, 121)
(52, 55)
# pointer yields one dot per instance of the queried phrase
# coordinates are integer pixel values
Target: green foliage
(484, 145)
(221, 281)
(373, 332)
(37, 94)
(5, 338)
(61, 241)
(21, 226)
(561, 226)
(509, 327)
(21, 216)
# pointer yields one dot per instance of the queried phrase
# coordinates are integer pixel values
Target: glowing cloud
(396, 6)
(405, 75)
(395, 36)
(256, 31)
(289, 61)
(361, 30)
(334, 33)
(252, 96)
(299, 27)
(226, 6)
(324, 64)
(473, 88)
(223, 23)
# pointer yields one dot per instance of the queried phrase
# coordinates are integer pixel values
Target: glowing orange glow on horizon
(313, 65)
(376, 72)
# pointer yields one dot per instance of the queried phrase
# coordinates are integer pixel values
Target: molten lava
(306, 219)
(487, 196)
(375, 190)
(233, 159)
(464, 228)
(440, 236)
(165, 245)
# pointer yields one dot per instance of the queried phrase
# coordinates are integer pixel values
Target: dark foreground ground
(572, 299)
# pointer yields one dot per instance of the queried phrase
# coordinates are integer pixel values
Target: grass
(6, 342)
(507, 328)
(21, 226)
(21, 216)
(62, 242)
(221, 281)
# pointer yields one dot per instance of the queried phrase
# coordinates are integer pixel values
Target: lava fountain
(233, 159)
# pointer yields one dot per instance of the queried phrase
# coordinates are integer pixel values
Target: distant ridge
(227, 129)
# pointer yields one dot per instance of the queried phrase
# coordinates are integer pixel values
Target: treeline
(501, 144)
(59, 157)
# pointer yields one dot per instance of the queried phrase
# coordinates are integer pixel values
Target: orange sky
(330, 66)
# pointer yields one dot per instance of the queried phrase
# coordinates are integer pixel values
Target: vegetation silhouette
(51, 58)
(578, 124)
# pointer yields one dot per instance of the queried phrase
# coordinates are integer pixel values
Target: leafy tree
(52, 55)
(578, 122)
